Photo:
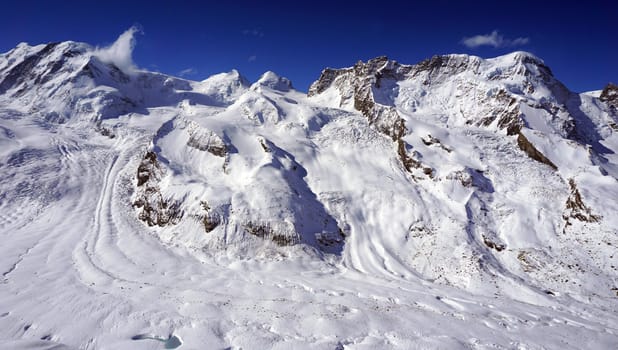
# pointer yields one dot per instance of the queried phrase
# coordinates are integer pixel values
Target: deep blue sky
(297, 39)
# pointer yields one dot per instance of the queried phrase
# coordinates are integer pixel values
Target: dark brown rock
(576, 207)
(609, 95)
(155, 210)
(525, 145)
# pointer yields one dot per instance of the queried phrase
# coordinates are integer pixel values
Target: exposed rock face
(358, 85)
(205, 140)
(211, 221)
(525, 145)
(504, 105)
(576, 209)
(493, 245)
(508, 118)
(279, 234)
(430, 140)
(609, 95)
(147, 169)
(154, 209)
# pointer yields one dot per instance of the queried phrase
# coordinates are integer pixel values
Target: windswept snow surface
(142, 211)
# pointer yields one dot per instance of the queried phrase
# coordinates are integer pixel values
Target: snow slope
(455, 203)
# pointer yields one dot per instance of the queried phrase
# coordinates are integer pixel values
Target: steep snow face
(68, 81)
(469, 200)
(273, 81)
(451, 119)
(224, 88)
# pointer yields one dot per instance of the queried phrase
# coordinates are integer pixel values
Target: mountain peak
(523, 63)
(27, 66)
(273, 81)
(522, 56)
(231, 76)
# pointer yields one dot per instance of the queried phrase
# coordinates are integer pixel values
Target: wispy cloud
(186, 72)
(253, 32)
(120, 53)
(252, 58)
(494, 39)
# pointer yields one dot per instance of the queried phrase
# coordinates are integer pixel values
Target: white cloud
(520, 41)
(252, 58)
(188, 71)
(494, 39)
(120, 52)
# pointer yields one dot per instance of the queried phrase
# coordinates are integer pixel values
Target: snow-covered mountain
(458, 202)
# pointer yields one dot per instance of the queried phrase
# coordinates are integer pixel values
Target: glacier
(458, 202)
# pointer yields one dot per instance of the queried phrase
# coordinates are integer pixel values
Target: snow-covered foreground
(83, 272)
(453, 204)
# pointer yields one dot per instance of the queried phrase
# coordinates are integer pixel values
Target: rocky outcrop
(211, 220)
(372, 87)
(153, 208)
(576, 209)
(357, 85)
(327, 78)
(430, 141)
(609, 95)
(433, 69)
(508, 117)
(493, 245)
(206, 140)
(526, 146)
(282, 235)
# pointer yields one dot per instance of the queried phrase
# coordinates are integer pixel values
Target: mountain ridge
(484, 178)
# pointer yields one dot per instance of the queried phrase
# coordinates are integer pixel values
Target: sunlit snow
(144, 211)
